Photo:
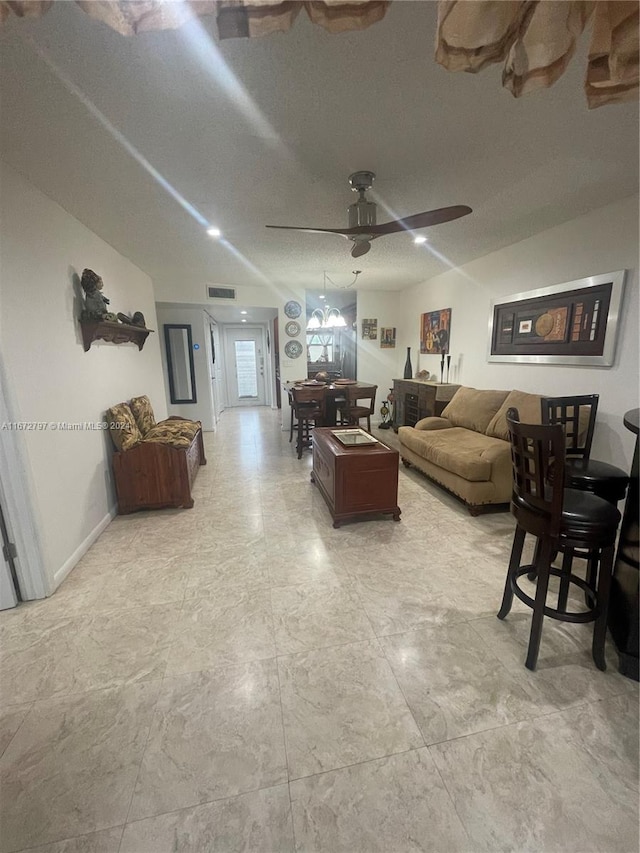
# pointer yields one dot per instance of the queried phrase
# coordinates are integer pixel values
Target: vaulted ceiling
(148, 139)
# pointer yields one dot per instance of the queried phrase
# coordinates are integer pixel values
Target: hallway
(241, 676)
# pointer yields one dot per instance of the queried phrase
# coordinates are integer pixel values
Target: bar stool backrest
(577, 416)
(535, 450)
(310, 398)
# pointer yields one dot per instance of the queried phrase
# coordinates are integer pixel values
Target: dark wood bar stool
(577, 416)
(351, 412)
(563, 520)
(309, 405)
(293, 425)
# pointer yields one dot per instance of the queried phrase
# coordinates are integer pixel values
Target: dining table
(335, 394)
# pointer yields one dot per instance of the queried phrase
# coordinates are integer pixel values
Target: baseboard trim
(82, 549)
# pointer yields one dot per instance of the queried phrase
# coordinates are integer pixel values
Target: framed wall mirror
(179, 348)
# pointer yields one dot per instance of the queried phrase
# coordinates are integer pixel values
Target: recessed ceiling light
(322, 296)
(244, 321)
(419, 239)
(243, 312)
(214, 232)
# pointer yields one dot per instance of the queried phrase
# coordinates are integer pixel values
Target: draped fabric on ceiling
(536, 40)
(234, 17)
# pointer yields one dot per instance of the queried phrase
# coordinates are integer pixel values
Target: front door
(245, 353)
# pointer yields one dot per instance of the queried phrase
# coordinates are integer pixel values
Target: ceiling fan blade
(420, 220)
(360, 248)
(343, 231)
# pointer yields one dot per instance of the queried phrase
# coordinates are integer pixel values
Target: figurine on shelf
(136, 320)
(95, 302)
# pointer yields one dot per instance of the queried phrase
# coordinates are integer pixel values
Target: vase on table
(408, 370)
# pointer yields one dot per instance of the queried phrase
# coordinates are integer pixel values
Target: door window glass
(246, 369)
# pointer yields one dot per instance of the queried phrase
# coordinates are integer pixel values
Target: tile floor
(242, 677)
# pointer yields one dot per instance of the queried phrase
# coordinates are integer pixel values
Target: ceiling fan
(362, 218)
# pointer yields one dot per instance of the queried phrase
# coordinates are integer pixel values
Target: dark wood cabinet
(415, 399)
(355, 481)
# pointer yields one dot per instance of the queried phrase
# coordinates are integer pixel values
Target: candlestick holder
(442, 369)
(448, 366)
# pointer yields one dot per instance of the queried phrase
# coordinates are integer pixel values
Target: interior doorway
(245, 365)
(10, 593)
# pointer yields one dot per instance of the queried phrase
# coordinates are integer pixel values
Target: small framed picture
(524, 327)
(387, 337)
(370, 330)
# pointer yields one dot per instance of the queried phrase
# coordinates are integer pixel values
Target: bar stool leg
(604, 588)
(300, 442)
(542, 586)
(531, 576)
(514, 565)
(563, 593)
(592, 574)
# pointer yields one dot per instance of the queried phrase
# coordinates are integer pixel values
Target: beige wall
(42, 251)
(602, 241)
(376, 365)
(195, 317)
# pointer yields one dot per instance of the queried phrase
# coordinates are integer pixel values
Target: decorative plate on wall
(293, 349)
(292, 309)
(292, 329)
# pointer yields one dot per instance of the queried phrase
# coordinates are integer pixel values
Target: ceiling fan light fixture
(363, 227)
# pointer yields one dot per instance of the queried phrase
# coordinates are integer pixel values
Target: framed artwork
(435, 331)
(387, 337)
(571, 323)
(370, 330)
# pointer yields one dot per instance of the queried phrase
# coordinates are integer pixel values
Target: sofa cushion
(433, 423)
(472, 408)
(464, 452)
(143, 413)
(529, 409)
(170, 431)
(123, 427)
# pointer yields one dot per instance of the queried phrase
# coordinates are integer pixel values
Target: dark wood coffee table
(355, 481)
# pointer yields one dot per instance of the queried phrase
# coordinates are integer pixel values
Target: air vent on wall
(221, 292)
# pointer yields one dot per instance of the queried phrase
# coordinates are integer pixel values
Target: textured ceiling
(146, 138)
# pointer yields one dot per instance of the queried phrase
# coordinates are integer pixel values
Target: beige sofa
(467, 450)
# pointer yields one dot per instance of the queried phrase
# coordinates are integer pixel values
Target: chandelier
(327, 317)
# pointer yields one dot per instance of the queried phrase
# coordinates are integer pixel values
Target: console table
(415, 399)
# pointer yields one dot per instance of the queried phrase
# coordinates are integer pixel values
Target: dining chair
(309, 405)
(351, 412)
(561, 520)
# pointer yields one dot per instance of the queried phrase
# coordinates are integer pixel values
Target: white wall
(602, 241)
(376, 365)
(43, 251)
(202, 410)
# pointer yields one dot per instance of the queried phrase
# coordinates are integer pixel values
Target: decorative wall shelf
(114, 333)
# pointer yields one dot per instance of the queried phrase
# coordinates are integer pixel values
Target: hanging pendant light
(326, 317)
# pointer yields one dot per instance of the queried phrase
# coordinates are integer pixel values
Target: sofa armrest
(433, 423)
